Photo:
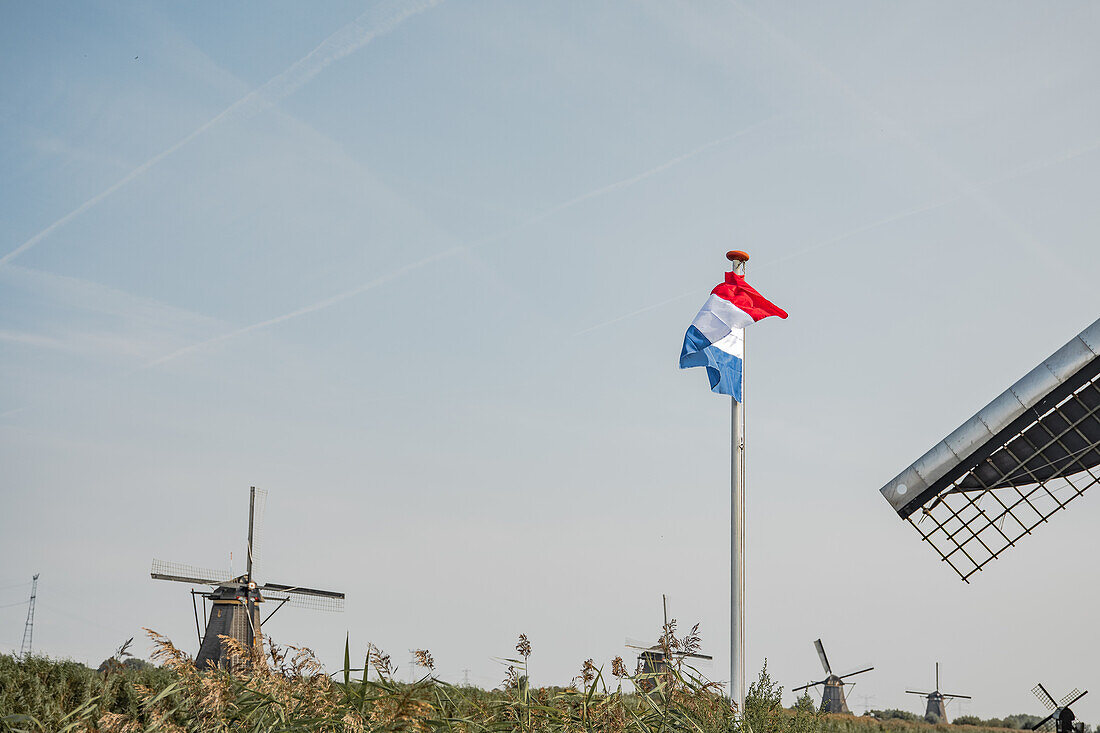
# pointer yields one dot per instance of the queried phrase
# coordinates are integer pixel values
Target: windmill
(1061, 716)
(1012, 466)
(937, 701)
(654, 660)
(832, 697)
(235, 600)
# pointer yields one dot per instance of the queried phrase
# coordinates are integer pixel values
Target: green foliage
(805, 703)
(288, 691)
(764, 711)
(894, 714)
(1017, 721)
(1021, 721)
(49, 690)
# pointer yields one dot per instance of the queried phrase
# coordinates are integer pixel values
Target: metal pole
(737, 558)
(737, 527)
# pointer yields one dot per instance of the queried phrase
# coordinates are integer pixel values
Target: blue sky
(422, 270)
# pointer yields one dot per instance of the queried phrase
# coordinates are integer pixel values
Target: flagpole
(737, 525)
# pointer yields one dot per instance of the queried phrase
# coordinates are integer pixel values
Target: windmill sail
(1070, 698)
(184, 573)
(1044, 697)
(318, 600)
(1011, 466)
(821, 655)
(256, 530)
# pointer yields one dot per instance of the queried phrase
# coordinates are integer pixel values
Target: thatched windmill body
(235, 600)
(832, 695)
(937, 701)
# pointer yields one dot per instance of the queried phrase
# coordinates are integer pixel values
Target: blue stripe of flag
(723, 370)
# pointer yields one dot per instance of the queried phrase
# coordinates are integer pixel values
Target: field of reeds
(286, 689)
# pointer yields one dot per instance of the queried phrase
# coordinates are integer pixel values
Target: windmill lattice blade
(302, 590)
(806, 687)
(914, 692)
(319, 600)
(1044, 724)
(314, 603)
(1044, 697)
(183, 573)
(259, 509)
(821, 654)
(1071, 697)
(853, 674)
(963, 697)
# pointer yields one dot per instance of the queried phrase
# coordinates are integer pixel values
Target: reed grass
(285, 689)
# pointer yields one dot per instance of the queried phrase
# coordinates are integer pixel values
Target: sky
(422, 270)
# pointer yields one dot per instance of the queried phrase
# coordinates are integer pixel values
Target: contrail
(457, 250)
(991, 207)
(972, 191)
(624, 183)
(320, 305)
(638, 312)
(377, 21)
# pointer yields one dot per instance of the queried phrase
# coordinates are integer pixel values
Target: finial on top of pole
(737, 259)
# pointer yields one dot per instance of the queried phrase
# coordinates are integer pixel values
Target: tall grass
(285, 689)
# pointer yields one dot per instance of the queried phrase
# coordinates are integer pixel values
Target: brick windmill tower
(235, 600)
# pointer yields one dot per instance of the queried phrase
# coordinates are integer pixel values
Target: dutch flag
(716, 337)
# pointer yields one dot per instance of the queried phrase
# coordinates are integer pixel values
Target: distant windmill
(234, 611)
(937, 701)
(832, 697)
(1061, 717)
(652, 660)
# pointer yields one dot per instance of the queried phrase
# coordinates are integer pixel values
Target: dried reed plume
(424, 659)
(523, 646)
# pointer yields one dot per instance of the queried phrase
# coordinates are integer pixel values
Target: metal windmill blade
(1012, 466)
(821, 655)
